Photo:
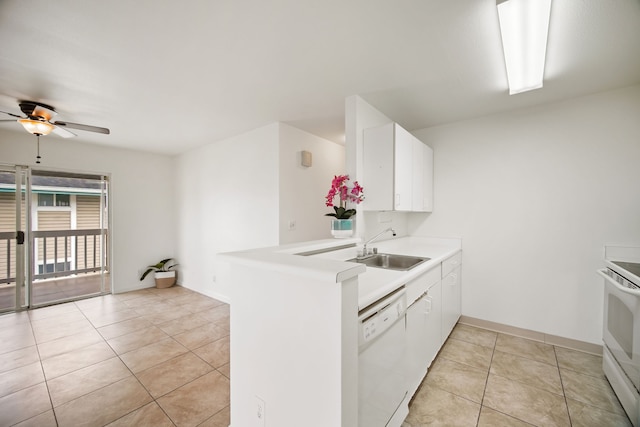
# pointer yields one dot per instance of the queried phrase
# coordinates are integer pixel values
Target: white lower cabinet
(451, 294)
(433, 316)
(423, 325)
(424, 328)
(434, 301)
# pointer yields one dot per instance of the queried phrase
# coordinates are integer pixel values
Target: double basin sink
(390, 261)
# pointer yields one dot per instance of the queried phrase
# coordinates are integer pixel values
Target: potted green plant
(164, 276)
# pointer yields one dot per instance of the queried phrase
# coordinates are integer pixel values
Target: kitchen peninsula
(294, 326)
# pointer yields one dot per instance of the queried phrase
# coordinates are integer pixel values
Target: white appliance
(621, 326)
(382, 378)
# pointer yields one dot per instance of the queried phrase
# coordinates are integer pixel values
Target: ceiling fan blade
(83, 127)
(63, 132)
(11, 114)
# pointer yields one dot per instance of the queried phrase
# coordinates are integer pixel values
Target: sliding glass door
(69, 235)
(54, 237)
(13, 243)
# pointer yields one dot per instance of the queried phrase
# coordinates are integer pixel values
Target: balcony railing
(59, 253)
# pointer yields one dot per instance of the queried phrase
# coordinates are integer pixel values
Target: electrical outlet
(260, 412)
(292, 224)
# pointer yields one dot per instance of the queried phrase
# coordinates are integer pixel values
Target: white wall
(241, 193)
(142, 196)
(302, 189)
(360, 115)
(535, 195)
(228, 200)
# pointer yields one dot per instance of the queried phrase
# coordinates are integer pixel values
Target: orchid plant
(340, 188)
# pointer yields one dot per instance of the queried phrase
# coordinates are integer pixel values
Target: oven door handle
(618, 285)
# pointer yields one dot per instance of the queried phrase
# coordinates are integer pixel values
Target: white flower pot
(341, 228)
(165, 279)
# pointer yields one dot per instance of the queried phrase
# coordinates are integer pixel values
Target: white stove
(621, 327)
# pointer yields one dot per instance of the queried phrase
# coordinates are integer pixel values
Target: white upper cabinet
(398, 170)
(403, 150)
(422, 196)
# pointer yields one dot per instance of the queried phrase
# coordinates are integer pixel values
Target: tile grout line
(154, 399)
(484, 391)
(486, 382)
(53, 408)
(44, 376)
(100, 388)
(564, 394)
(84, 313)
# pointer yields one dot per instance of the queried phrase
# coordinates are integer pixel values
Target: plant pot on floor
(165, 279)
(163, 273)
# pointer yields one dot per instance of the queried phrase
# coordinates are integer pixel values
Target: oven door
(621, 329)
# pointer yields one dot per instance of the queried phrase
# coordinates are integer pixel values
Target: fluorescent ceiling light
(524, 25)
(36, 127)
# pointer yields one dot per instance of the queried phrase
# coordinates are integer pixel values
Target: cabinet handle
(427, 305)
(453, 279)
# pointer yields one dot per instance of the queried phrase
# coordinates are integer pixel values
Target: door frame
(20, 233)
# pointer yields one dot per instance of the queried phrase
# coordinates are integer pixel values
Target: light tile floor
(155, 357)
(483, 378)
(160, 357)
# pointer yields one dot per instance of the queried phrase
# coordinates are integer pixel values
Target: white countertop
(373, 283)
(376, 283)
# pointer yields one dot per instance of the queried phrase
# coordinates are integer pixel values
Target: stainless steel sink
(391, 261)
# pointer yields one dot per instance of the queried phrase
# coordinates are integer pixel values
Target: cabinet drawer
(420, 284)
(450, 263)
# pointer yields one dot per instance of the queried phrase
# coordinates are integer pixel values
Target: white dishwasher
(382, 377)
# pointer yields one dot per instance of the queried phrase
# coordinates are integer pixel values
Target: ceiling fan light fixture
(524, 27)
(36, 127)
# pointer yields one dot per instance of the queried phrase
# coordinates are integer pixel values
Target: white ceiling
(167, 76)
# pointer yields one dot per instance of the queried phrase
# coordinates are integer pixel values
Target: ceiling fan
(38, 121)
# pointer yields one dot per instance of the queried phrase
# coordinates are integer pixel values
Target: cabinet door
(403, 176)
(449, 264)
(451, 301)
(427, 178)
(378, 175)
(434, 322)
(398, 170)
(424, 329)
(418, 175)
(417, 344)
(422, 177)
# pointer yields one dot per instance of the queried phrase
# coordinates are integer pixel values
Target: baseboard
(570, 343)
(131, 289)
(213, 295)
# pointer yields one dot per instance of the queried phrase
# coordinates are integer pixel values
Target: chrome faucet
(365, 252)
